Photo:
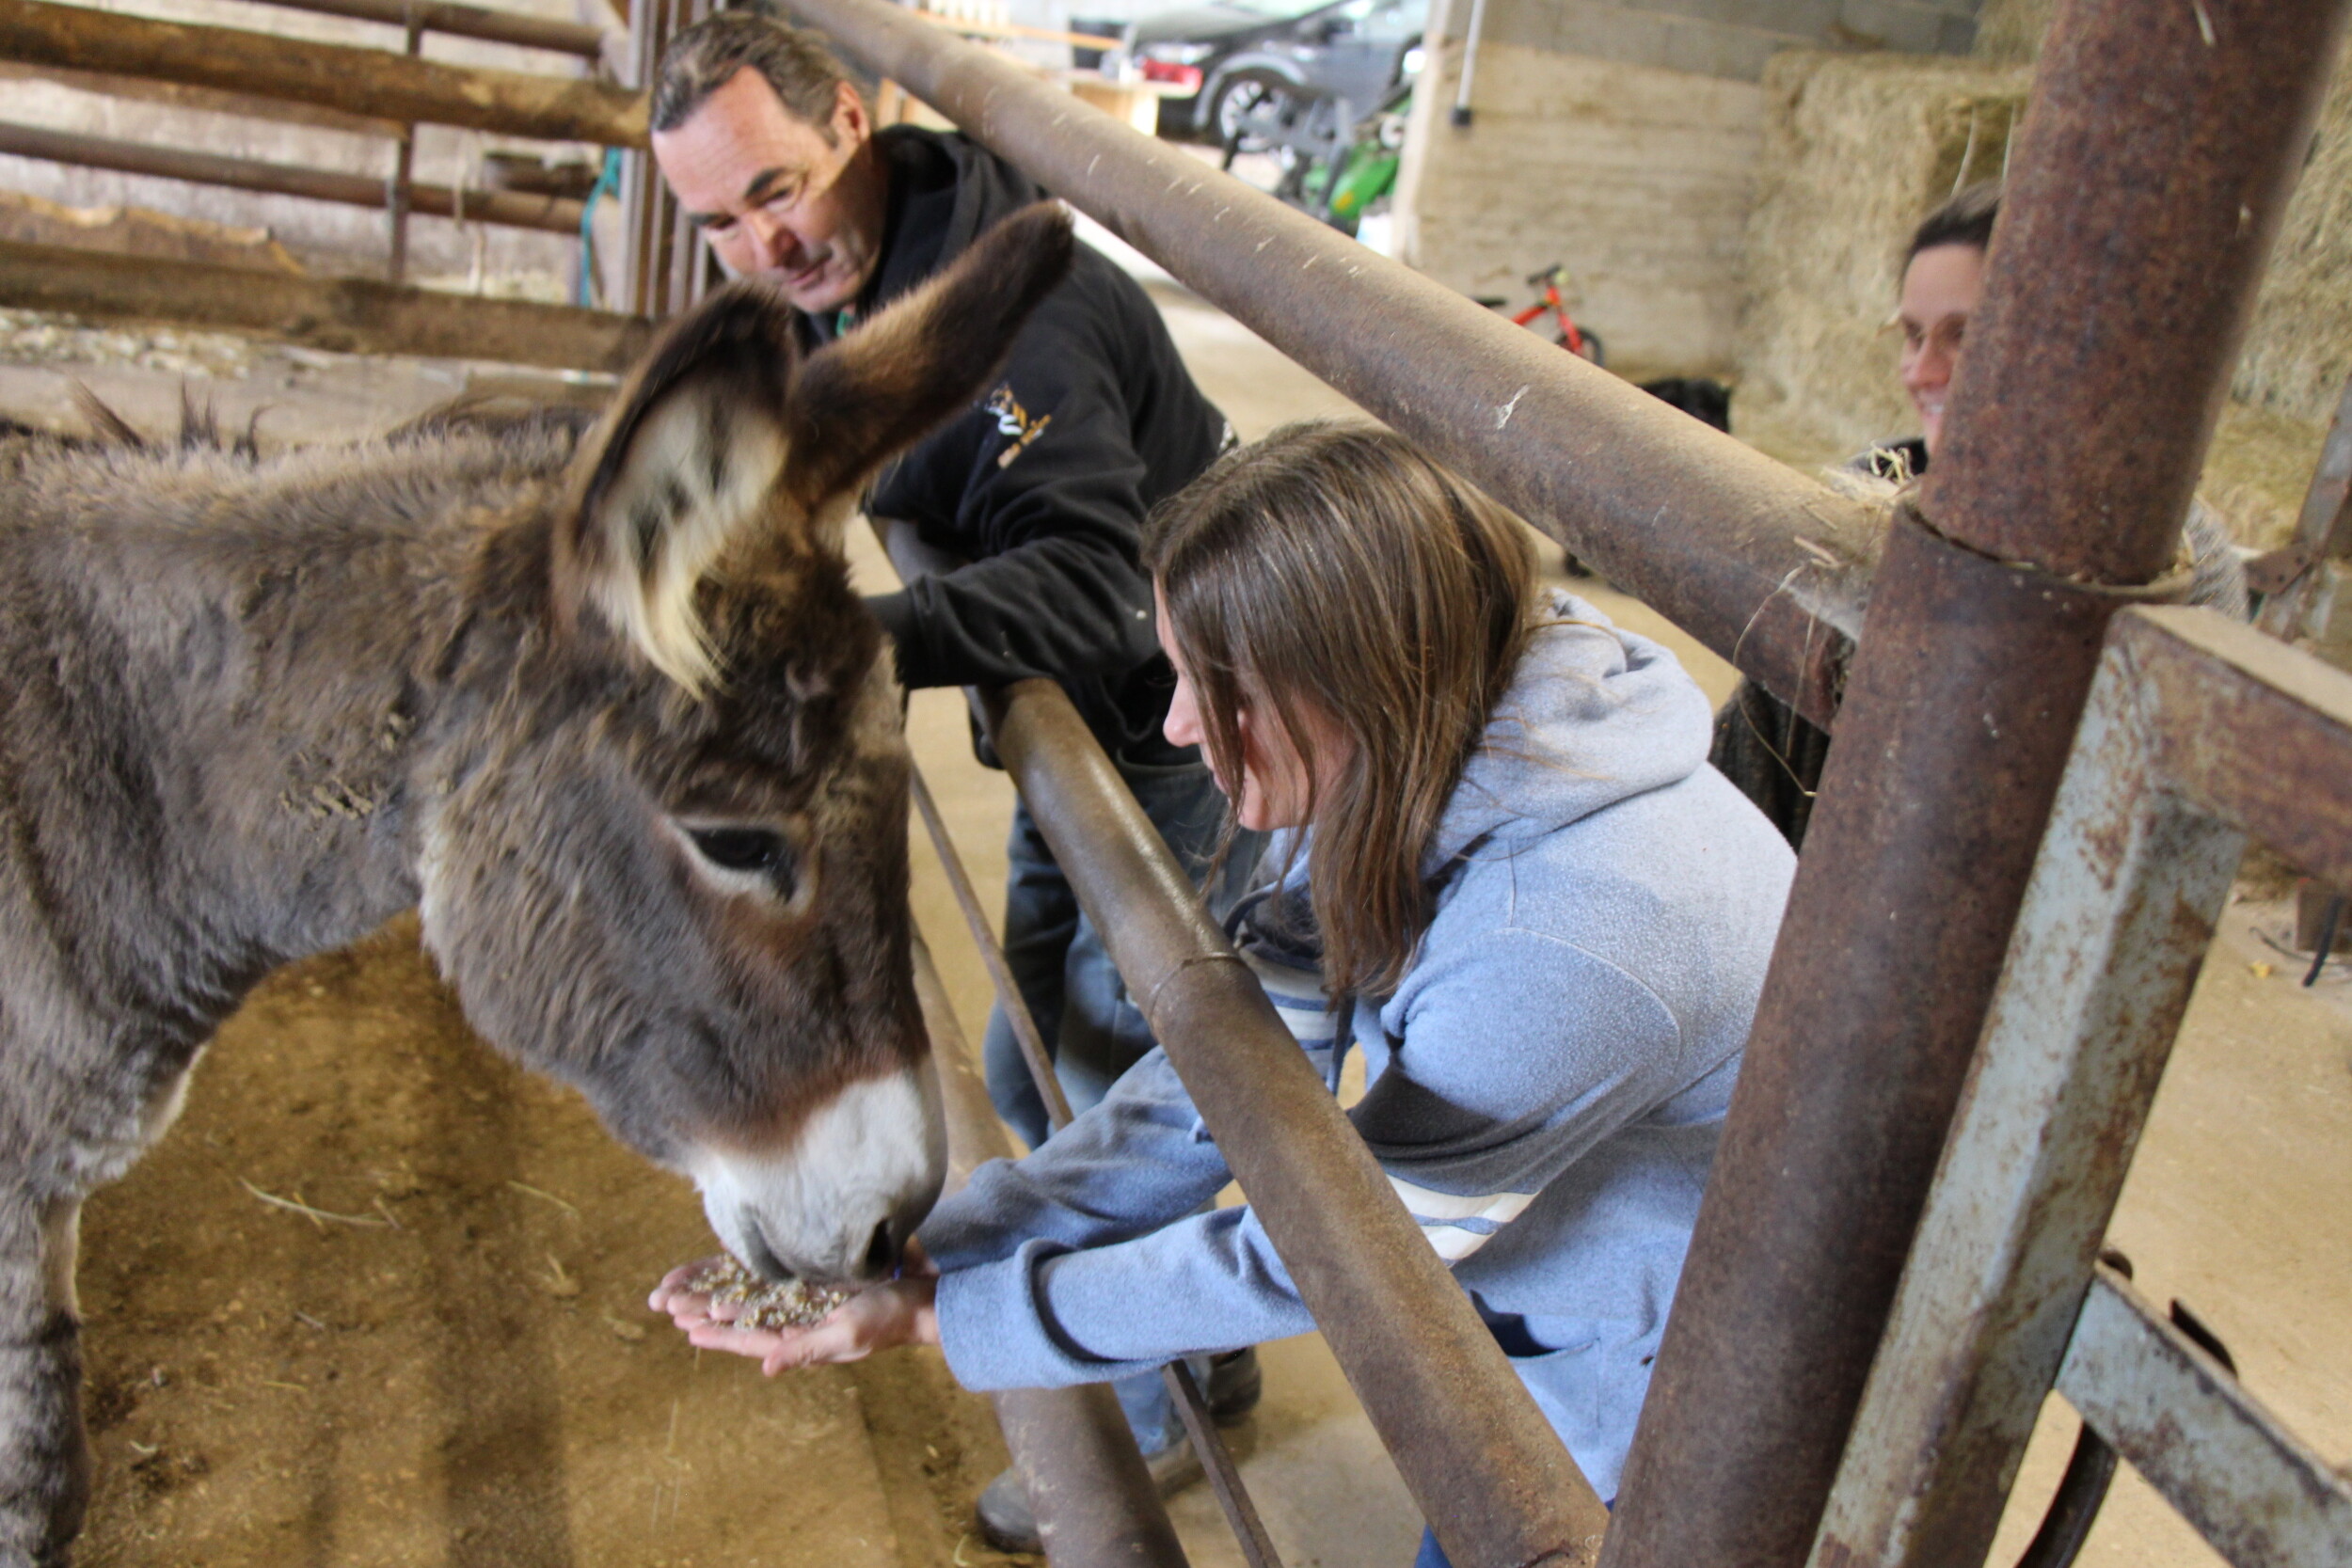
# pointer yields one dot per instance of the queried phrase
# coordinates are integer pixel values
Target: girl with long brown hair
(1506, 873)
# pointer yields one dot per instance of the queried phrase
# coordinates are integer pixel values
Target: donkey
(605, 707)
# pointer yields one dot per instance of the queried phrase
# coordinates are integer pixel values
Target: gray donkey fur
(607, 708)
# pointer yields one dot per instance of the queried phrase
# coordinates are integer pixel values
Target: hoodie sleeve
(1088, 1259)
(1048, 1316)
(1515, 1057)
(1040, 485)
(1134, 1161)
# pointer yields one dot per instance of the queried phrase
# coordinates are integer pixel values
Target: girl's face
(1940, 288)
(1274, 790)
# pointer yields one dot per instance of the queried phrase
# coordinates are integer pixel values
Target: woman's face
(1274, 789)
(1940, 289)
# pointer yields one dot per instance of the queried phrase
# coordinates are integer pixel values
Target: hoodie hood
(945, 192)
(1595, 715)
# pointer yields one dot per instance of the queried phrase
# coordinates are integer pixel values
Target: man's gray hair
(706, 57)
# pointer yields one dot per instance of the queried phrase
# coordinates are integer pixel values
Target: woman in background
(1760, 743)
(1509, 877)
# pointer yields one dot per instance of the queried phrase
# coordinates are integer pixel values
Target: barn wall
(1625, 140)
(327, 236)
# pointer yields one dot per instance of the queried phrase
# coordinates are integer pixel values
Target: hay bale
(2299, 351)
(2008, 32)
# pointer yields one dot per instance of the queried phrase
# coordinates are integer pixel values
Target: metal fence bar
(1095, 1503)
(2291, 785)
(1033, 1053)
(404, 165)
(913, 559)
(2115, 925)
(2198, 730)
(1748, 556)
(2261, 1496)
(1480, 1459)
(2301, 581)
(1192, 1407)
(2150, 181)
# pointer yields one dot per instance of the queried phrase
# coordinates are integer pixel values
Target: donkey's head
(667, 860)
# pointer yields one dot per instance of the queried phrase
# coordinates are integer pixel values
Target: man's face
(798, 204)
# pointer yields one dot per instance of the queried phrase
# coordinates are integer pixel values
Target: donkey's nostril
(882, 1252)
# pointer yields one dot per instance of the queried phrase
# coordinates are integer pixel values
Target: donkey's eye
(758, 851)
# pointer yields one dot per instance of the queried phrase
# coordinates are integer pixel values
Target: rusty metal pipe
(1746, 555)
(2154, 166)
(913, 559)
(1095, 1502)
(1490, 1476)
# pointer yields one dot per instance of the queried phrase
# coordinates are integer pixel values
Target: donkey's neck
(220, 702)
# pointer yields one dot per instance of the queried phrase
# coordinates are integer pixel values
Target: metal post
(2159, 148)
(1192, 1406)
(1462, 110)
(396, 197)
(2300, 580)
(1095, 1503)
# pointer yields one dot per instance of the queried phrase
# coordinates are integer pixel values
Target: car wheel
(1247, 105)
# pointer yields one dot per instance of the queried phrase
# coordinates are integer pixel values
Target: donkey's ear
(687, 459)
(885, 386)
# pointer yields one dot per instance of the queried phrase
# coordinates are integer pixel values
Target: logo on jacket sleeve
(1015, 422)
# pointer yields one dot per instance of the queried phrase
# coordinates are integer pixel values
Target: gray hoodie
(1546, 1086)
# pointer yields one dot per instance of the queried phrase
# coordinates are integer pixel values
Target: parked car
(1234, 55)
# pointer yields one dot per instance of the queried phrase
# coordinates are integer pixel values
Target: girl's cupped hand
(900, 1311)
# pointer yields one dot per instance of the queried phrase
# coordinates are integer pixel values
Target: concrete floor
(2241, 1201)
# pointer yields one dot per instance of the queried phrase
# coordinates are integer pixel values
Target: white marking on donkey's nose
(838, 1205)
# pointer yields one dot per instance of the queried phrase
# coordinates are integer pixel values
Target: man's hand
(896, 1312)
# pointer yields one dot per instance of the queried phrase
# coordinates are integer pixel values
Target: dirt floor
(449, 1362)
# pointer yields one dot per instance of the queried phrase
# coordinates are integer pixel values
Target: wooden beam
(510, 209)
(211, 100)
(342, 315)
(373, 82)
(473, 21)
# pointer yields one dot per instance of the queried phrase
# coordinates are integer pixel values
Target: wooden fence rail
(342, 315)
(509, 209)
(373, 82)
(472, 22)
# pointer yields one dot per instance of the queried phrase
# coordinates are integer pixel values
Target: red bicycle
(1553, 282)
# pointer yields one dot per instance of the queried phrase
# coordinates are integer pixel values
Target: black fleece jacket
(1043, 484)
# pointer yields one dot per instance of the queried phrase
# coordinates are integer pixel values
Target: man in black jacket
(1041, 487)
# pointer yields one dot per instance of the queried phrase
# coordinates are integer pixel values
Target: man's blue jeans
(1083, 1014)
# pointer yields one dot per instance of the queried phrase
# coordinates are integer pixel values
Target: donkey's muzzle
(840, 1205)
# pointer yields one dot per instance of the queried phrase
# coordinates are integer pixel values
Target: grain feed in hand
(759, 1303)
